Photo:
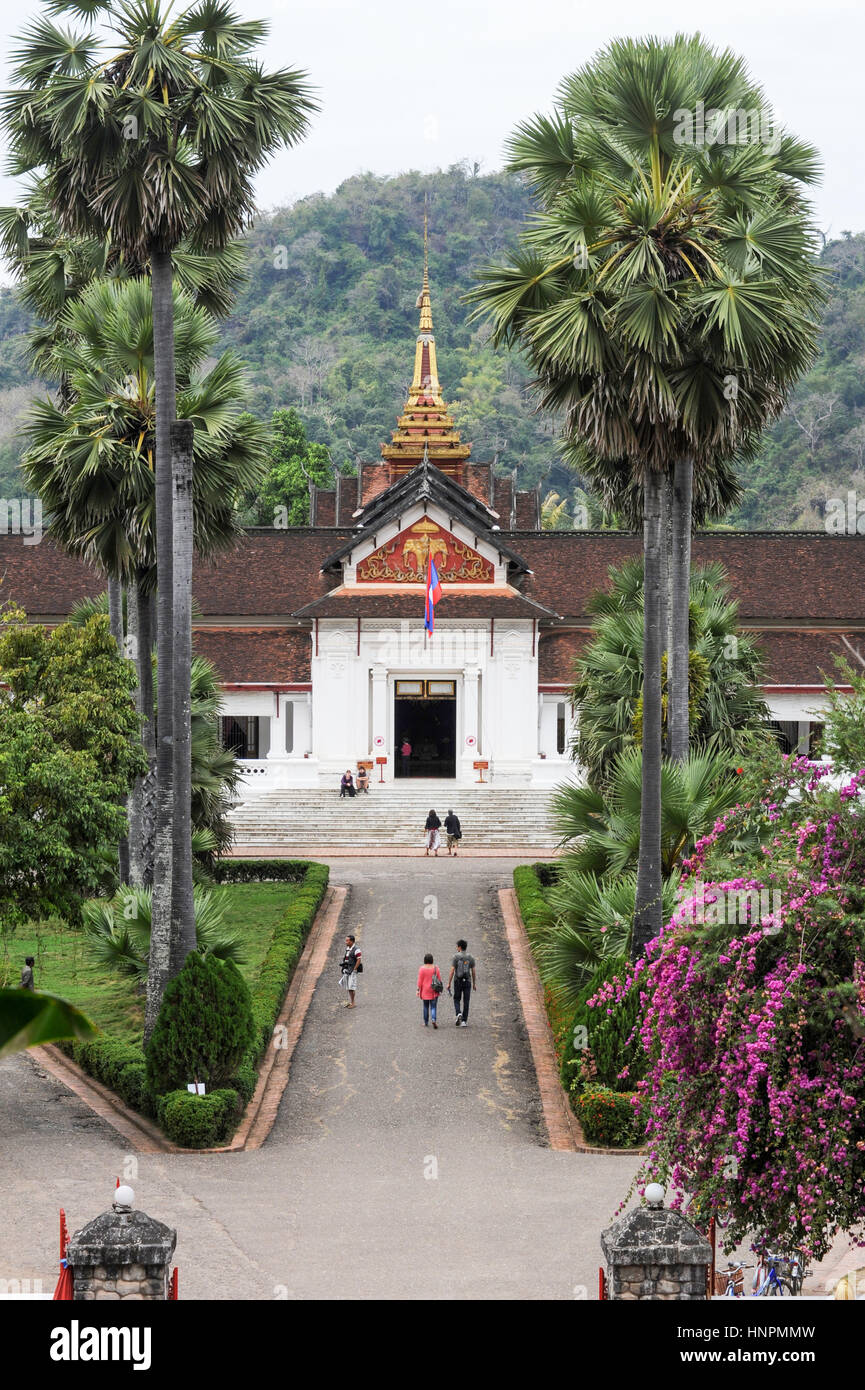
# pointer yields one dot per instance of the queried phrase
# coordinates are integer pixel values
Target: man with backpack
(350, 967)
(463, 979)
(454, 833)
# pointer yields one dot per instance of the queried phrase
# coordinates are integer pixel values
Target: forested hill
(327, 322)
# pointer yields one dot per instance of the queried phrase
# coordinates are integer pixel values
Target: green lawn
(64, 966)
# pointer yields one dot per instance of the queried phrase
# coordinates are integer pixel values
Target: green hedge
(258, 870)
(123, 1067)
(612, 1033)
(198, 1122)
(278, 965)
(529, 883)
(610, 1118)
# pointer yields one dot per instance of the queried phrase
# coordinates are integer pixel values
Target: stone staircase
(491, 817)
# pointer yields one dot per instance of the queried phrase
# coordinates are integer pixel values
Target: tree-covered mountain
(327, 323)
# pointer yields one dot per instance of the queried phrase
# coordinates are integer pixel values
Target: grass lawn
(64, 965)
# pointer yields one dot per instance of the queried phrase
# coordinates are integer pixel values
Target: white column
(277, 727)
(379, 717)
(470, 723)
(302, 742)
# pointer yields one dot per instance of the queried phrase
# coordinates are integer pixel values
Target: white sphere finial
(654, 1194)
(124, 1199)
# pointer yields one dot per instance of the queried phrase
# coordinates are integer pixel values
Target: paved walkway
(404, 1162)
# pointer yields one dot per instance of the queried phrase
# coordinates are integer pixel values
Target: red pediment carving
(403, 559)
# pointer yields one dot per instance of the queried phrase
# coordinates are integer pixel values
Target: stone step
(490, 817)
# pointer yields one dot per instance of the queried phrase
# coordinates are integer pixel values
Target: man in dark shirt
(27, 973)
(453, 830)
(464, 979)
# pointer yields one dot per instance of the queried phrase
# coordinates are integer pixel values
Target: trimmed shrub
(245, 1079)
(197, 1122)
(204, 1026)
(610, 1117)
(610, 1043)
(132, 1087)
(285, 948)
(259, 870)
(529, 883)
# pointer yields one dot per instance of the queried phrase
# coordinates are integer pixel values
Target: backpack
(463, 968)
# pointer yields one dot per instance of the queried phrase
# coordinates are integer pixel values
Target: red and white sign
(379, 742)
(470, 741)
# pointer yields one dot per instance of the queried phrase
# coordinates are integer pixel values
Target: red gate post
(602, 1284)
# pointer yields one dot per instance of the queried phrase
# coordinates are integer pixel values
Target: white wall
(506, 683)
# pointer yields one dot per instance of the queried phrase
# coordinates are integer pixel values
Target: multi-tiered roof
(425, 426)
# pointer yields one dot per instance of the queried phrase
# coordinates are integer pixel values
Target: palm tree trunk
(147, 634)
(648, 914)
(159, 959)
(678, 659)
(664, 615)
(183, 938)
(141, 796)
(115, 622)
(115, 610)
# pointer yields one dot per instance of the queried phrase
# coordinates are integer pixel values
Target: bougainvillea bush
(753, 1017)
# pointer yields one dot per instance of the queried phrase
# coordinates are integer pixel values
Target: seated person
(346, 785)
(362, 780)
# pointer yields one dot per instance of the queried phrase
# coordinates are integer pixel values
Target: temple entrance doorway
(425, 717)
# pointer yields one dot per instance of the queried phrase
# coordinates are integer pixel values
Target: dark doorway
(431, 728)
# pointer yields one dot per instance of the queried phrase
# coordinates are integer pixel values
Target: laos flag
(433, 594)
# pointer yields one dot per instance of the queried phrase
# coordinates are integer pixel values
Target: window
(787, 733)
(245, 735)
(560, 727)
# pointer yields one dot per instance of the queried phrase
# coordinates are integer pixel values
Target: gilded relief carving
(403, 560)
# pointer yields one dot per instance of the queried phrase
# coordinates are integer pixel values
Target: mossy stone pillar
(655, 1253)
(122, 1254)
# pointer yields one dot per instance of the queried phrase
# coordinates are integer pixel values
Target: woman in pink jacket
(426, 991)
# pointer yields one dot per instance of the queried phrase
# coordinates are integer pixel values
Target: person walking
(27, 973)
(433, 838)
(453, 830)
(346, 784)
(405, 756)
(350, 967)
(464, 980)
(429, 987)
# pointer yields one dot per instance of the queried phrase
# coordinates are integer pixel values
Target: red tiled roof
(256, 655)
(556, 654)
(801, 658)
(778, 575)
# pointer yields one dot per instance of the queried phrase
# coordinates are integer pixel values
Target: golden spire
(423, 302)
(425, 430)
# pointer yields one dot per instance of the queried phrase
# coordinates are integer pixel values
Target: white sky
(408, 86)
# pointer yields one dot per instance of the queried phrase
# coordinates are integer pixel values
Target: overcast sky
(407, 86)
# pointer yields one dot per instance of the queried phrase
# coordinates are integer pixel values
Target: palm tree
(724, 679)
(600, 830)
(92, 461)
(118, 931)
(216, 773)
(666, 296)
(151, 140)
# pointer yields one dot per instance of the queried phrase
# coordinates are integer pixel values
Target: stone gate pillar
(121, 1254)
(654, 1253)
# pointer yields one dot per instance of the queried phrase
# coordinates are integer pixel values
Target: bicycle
(767, 1282)
(734, 1275)
(798, 1273)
